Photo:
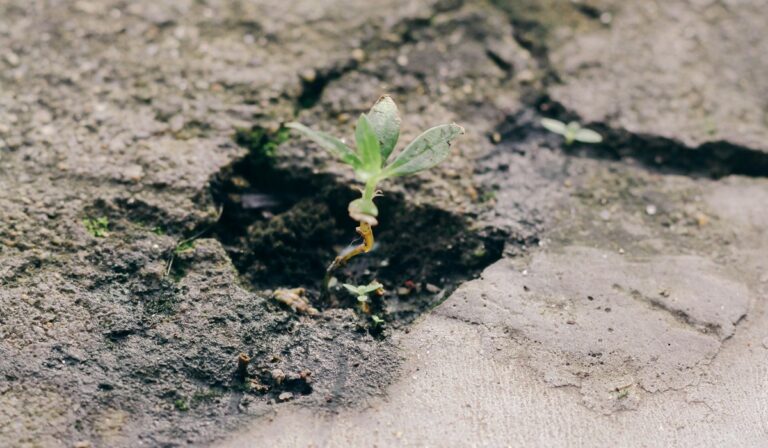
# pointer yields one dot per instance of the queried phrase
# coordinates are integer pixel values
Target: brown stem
(364, 230)
(242, 366)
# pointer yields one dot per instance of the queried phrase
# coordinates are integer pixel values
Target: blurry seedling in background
(362, 294)
(376, 135)
(573, 132)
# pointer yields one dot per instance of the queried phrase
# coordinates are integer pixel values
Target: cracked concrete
(628, 306)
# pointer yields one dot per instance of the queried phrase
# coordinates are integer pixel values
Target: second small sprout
(362, 293)
(571, 131)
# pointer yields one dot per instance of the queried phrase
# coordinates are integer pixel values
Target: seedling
(97, 227)
(362, 294)
(573, 132)
(376, 135)
(376, 321)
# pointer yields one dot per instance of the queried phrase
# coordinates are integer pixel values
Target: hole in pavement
(282, 228)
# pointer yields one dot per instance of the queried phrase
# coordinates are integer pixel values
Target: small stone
(403, 291)
(308, 75)
(176, 123)
(650, 210)
(525, 76)
(496, 137)
(606, 18)
(358, 54)
(402, 60)
(278, 376)
(133, 173)
(285, 396)
(434, 289)
(12, 59)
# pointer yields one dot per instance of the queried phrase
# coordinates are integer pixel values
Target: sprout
(362, 293)
(376, 136)
(572, 131)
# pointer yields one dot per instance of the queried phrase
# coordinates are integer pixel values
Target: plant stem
(365, 231)
(370, 189)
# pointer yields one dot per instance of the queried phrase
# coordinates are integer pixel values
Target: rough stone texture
(126, 110)
(497, 365)
(688, 70)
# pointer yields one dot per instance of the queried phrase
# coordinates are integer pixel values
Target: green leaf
(558, 127)
(426, 151)
(587, 136)
(367, 145)
(385, 121)
(363, 290)
(350, 288)
(329, 143)
(371, 287)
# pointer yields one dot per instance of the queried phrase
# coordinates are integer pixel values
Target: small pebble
(285, 396)
(358, 54)
(308, 75)
(650, 209)
(177, 123)
(12, 58)
(403, 291)
(432, 288)
(278, 375)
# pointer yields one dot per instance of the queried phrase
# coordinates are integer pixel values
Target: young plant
(362, 294)
(376, 135)
(571, 131)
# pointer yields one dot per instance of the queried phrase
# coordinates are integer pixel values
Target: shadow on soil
(282, 229)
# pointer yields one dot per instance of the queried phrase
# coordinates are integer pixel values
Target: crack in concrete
(714, 159)
(680, 316)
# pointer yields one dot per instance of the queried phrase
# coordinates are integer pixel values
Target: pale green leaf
(331, 144)
(426, 151)
(587, 136)
(558, 127)
(385, 121)
(367, 145)
(350, 288)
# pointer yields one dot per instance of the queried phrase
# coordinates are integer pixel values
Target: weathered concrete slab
(684, 69)
(496, 365)
(126, 111)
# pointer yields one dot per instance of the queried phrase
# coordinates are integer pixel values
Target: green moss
(261, 143)
(181, 405)
(185, 246)
(97, 227)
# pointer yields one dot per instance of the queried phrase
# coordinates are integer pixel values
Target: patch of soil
(283, 228)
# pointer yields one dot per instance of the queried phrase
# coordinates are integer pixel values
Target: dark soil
(283, 228)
